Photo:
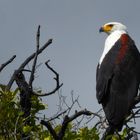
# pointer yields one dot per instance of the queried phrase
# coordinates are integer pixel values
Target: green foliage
(122, 136)
(91, 134)
(84, 133)
(12, 123)
(9, 112)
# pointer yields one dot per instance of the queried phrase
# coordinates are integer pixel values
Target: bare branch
(57, 116)
(73, 103)
(25, 94)
(77, 114)
(26, 62)
(58, 85)
(49, 126)
(35, 58)
(96, 114)
(65, 123)
(6, 63)
(67, 120)
(33, 55)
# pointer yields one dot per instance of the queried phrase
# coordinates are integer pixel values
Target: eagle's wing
(105, 73)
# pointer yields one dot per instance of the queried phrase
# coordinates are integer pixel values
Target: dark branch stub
(25, 94)
(35, 58)
(6, 63)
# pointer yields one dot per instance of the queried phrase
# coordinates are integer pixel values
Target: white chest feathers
(109, 43)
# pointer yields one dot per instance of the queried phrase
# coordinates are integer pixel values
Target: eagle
(117, 75)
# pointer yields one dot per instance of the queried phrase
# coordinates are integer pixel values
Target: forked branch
(26, 62)
(66, 121)
(56, 78)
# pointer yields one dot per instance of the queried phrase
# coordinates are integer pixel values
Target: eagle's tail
(109, 131)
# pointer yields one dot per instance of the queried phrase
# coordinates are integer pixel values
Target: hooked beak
(101, 30)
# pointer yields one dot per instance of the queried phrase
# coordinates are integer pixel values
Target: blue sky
(77, 44)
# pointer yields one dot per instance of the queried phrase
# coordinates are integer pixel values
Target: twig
(57, 116)
(78, 122)
(6, 63)
(26, 62)
(56, 79)
(96, 114)
(131, 116)
(35, 58)
(73, 103)
(15, 130)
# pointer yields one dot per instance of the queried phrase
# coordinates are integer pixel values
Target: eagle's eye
(110, 25)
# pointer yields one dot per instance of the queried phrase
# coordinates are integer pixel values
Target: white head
(112, 26)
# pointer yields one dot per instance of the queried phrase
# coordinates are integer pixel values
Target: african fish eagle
(118, 75)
